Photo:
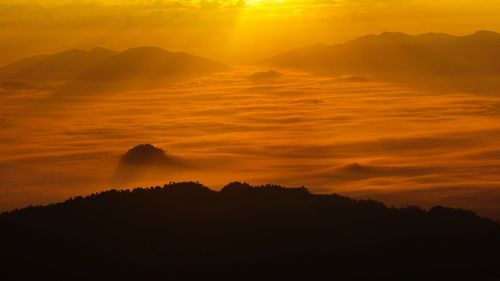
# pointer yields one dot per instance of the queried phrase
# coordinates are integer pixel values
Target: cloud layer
(365, 139)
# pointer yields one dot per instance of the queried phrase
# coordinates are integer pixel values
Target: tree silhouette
(185, 231)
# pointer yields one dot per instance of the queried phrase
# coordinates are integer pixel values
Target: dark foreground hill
(186, 231)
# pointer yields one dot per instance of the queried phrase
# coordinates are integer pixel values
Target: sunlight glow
(264, 2)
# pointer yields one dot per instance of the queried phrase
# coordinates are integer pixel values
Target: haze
(255, 91)
(227, 30)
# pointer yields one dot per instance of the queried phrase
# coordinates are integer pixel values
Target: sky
(233, 31)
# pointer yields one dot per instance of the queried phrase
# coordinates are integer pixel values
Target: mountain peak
(100, 50)
(398, 57)
(145, 154)
(434, 37)
(393, 35)
(485, 34)
(146, 50)
(100, 64)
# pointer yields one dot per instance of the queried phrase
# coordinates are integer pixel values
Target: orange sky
(367, 139)
(228, 30)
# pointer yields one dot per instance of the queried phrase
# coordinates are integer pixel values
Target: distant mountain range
(472, 60)
(401, 56)
(185, 231)
(105, 65)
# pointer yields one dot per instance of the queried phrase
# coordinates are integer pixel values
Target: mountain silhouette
(100, 64)
(145, 154)
(398, 56)
(144, 161)
(186, 231)
(66, 65)
(151, 63)
(265, 76)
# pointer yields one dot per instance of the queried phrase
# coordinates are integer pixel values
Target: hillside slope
(398, 56)
(185, 231)
(145, 63)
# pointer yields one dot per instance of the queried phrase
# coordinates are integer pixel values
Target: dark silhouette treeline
(185, 231)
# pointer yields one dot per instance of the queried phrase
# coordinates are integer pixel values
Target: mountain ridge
(397, 56)
(106, 65)
(186, 231)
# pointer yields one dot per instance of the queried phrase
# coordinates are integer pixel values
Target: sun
(263, 2)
